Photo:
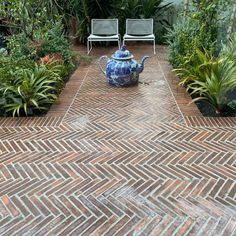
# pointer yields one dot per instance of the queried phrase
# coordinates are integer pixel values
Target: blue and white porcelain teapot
(121, 69)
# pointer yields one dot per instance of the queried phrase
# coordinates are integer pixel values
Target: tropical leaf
(34, 89)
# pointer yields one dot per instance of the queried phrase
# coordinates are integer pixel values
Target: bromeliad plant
(31, 89)
(208, 78)
(230, 49)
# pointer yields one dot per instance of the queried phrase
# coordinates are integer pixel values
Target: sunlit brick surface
(119, 161)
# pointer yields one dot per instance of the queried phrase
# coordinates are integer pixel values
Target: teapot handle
(99, 63)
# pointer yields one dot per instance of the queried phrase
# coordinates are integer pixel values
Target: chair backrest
(139, 26)
(104, 26)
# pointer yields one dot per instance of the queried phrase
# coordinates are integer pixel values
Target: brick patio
(119, 161)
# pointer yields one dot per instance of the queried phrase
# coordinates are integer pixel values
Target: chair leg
(118, 43)
(154, 46)
(89, 46)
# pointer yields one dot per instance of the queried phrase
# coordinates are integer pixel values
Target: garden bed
(208, 110)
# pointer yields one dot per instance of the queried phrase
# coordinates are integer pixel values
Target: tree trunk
(73, 27)
(232, 21)
(186, 7)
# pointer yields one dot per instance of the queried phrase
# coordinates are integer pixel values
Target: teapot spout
(141, 65)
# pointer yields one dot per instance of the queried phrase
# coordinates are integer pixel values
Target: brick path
(119, 161)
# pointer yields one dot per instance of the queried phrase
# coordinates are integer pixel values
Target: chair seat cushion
(150, 36)
(101, 37)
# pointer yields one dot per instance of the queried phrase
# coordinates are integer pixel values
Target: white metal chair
(139, 30)
(103, 30)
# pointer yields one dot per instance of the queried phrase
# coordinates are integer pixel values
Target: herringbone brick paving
(119, 161)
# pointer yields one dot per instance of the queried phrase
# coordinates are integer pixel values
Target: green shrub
(195, 49)
(45, 42)
(39, 59)
(209, 78)
(186, 35)
(229, 50)
(49, 42)
(181, 39)
(54, 41)
(30, 90)
(21, 47)
(8, 65)
(203, 27)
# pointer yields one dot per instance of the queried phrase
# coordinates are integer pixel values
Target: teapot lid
(122, 54)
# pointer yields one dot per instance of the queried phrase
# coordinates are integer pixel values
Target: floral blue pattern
(122, 70)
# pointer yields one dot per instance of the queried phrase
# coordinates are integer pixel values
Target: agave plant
(210, 79)
(195, 67)
(216, 86)
(33, 89)
(230, 49)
